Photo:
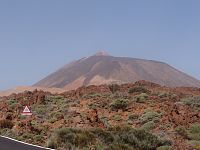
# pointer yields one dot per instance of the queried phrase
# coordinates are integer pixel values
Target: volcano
(102, 68)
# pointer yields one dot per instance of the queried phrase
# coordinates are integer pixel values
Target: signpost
(26, 112)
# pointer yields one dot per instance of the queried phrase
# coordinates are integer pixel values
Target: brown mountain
(104, 69)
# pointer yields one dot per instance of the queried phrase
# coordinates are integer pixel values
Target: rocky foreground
(139, 116)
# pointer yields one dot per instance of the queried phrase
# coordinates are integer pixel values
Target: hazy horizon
(39, 37)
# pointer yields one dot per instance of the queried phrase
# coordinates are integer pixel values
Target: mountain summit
(102, 53)
(102, 68)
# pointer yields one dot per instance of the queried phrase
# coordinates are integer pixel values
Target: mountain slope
(104, 69)
(93, 112)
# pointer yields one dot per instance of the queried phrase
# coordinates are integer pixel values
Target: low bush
(194, 132)
(12, 104)
(140, 139)
(92, 106)
(38, 138)
(56, 99)
(117, 146)
(194, 102)
(105, 122)
(68, 137)
(141, 98)
(57, 115)
(116, 117)
(138, 89)
(104, 136)
(27, 135)
(41, 109)
(149, 116)
(133, 117)
(51, 143)
(163, 94)
(148, 126)
(181, 131)
(194, 143)
(11, 101)
(8, 133)
(119, 104)
(115, 138)
(164, 148)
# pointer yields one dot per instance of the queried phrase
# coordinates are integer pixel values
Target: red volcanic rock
(89, 107)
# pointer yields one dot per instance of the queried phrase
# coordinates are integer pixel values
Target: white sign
(26, 111)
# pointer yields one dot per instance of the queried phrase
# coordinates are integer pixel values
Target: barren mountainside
(134, 116)
(104, 69)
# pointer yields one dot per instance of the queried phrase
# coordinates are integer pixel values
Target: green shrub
(194, 143)
(92, 106)
(164, 148)
(121, 128)
(12, 104)
(141, 98)
(83, 138)
(194, 102)
(194, 132)
(99, 147)
(163, 94)
(140, 139)
(11, 101)
(115, 138)
(138, 89)
(149, 116)
(71, 137)
(104, 136)
(41, 109)
(133, 117)
(57, 115)
(148, 126)
(56, 99)
(117, 146)
(27, 135)
(181, 131)
(119, 104)
(52, 144)
(66, 135)
(116, 117)
(8, 133)
(105, 122)
(6, 124)
(38, 138)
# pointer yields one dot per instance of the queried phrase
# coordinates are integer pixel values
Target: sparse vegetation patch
(119, 104)
(124, 138)
(194, 102)
(138, 89)
(141, 98)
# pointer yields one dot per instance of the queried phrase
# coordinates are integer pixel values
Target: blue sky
(39, 36)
